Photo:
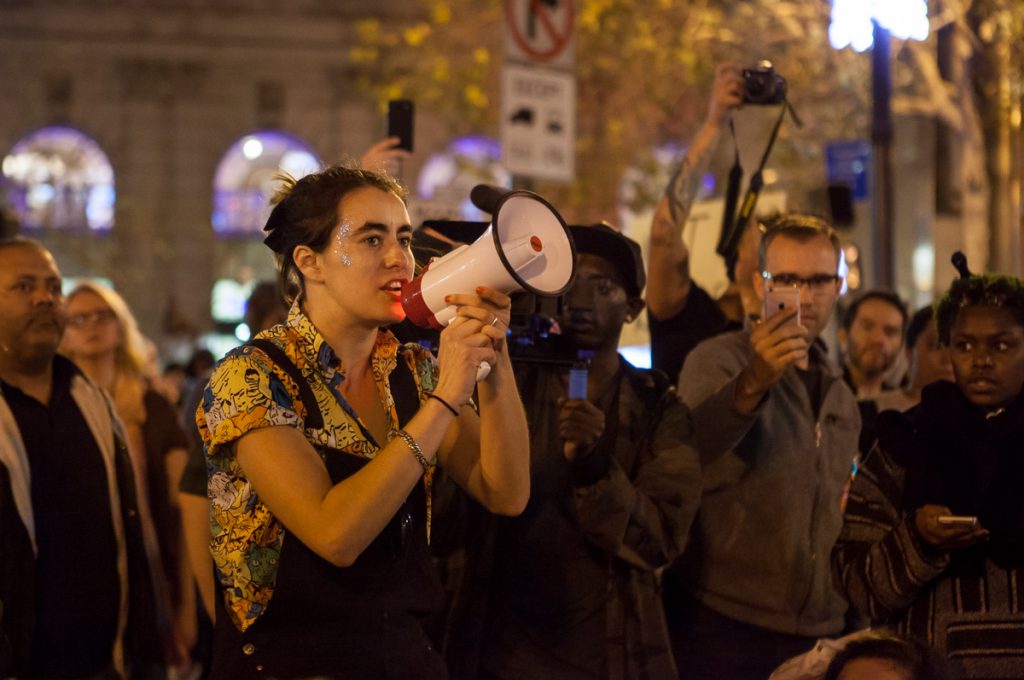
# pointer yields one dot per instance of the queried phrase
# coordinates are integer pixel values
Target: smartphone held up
(782, 300)
(401, 113)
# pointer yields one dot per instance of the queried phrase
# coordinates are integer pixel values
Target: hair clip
(959, 261)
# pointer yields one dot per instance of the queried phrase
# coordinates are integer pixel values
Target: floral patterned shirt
(248, 391)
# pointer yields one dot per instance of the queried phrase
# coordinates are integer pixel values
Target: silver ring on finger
(494, 321)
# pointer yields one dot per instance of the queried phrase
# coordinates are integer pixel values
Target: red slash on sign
(541, 28)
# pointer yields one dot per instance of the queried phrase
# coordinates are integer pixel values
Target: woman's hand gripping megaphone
(527, 246)
(473, 339)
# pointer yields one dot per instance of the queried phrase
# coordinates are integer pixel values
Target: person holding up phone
(933, 539)
(799, 286)
(777, 432)
(386, 155)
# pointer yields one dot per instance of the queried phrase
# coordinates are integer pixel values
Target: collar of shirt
(64, 371)
(317, 352)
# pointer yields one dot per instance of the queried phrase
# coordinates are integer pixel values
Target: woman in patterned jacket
(321, 436)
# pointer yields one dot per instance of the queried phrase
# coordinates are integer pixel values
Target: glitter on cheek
(341, 243)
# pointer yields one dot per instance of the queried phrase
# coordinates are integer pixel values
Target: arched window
(244, 182)
(59, 178)
(447, 177)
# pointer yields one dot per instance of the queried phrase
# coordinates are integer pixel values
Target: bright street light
(865, 24)
(852, 21)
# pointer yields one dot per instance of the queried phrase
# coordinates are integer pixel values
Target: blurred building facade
(176, 93)
(165, 89)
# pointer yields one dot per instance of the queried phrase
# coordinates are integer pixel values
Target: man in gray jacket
(777, 433)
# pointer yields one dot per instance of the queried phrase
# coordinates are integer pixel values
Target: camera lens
(756, 85)
(763, 85)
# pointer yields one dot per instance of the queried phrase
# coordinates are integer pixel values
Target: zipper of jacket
(814, 510)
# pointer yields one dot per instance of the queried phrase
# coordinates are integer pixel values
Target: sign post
(538, 90)
(848, 162)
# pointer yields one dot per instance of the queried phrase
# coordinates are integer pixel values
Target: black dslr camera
(763, 85)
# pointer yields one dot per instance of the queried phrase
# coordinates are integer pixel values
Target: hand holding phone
(957, 520)
(384, 156)
(777, 341)
(939, 527)
(401, 113)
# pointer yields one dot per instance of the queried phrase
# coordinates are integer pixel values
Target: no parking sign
(540, 32)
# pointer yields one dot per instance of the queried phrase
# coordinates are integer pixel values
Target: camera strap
(732, 227)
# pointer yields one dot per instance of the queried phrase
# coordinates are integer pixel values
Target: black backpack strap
(314, 419)
(403, 386)
(403, 391)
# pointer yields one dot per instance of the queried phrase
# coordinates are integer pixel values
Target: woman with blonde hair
(103, 338)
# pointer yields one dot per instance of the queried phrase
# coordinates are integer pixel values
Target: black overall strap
(358, 621)
(403, 391)
(314, 419)
(732, 197)
(403, 386)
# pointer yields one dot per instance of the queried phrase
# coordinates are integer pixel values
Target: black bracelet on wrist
(431, 395)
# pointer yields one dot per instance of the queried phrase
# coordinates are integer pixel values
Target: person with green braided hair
(933, 536)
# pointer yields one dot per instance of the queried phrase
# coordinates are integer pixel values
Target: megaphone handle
(482, 371)
(445, 317)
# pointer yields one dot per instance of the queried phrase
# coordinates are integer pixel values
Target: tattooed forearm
(682, 189)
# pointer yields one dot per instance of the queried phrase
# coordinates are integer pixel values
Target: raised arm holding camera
(681, 313)
(668, 269)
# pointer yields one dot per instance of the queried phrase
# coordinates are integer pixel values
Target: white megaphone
(526, 247)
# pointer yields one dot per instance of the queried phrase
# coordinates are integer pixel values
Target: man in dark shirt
(74, 586)
(569, 588)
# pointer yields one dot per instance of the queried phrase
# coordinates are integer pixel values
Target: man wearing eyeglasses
(777, 432)
(76, 596)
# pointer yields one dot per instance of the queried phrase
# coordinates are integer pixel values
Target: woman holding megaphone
(322, 434)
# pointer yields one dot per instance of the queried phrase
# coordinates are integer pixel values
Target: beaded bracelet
(431, 395)
(415, 448)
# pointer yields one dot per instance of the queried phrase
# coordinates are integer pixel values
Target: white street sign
(538, 123)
